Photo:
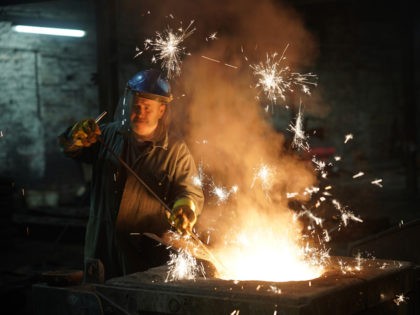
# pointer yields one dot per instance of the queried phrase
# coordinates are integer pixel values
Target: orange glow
(263, 250)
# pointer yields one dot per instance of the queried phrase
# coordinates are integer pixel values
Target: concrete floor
(31, 249)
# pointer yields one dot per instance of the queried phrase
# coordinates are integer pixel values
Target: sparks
(291, 195)
(212, 36)
(299, 137)
(274, 289)
(198, 179)
(346, 215)
(400, 299)
(168, 49)
(320, 166)
(348, 137)
(311, 190)
(265, 175)
(183, 265)
(359, 261)
(218, 61)
(231, 66)
(222, 193)
(377, 182)
(310, 215)
(275, 80)
(326, 236)
(360, 174)
(211, 59)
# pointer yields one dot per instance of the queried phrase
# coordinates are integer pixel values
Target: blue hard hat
(151, 84)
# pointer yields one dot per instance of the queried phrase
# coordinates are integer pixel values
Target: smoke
(228, 130)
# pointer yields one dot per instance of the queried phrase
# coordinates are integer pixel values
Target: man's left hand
(182, 219)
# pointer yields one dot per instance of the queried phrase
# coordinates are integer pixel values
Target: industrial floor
(31, 248)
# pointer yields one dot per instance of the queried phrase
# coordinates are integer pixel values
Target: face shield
(150, 84)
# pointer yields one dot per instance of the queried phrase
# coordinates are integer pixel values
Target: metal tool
(97, 119)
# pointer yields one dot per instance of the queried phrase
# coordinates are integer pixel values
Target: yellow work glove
(182, 219)
(84, 133)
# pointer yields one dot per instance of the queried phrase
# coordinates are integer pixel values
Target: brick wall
(45, 84)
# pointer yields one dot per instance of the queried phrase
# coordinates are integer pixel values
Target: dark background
(366, 56)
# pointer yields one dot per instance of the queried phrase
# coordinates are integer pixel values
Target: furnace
(350, 286)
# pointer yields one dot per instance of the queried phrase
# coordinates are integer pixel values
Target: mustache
(139, 120)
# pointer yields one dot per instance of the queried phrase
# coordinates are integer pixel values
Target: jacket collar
(158, 142)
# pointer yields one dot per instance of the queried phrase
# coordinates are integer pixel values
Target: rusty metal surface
(342, 290)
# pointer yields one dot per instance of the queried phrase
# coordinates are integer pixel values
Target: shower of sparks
(276, 79)
(310, 215)
(222, 193)
(400, 299)
(183, 265)
(360, 174)
(265, 175)
(344, 267)
(198, 179)
(320, 166)
(346, 215)
(299, 138)
(348, 137)
(212, 36)
(168, 49)
(377, 182)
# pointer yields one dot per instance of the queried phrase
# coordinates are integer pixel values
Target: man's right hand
(85, 132)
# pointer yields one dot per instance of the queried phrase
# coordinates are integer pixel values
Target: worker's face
(145, 115)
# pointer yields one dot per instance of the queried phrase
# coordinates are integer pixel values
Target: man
(122, 208)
